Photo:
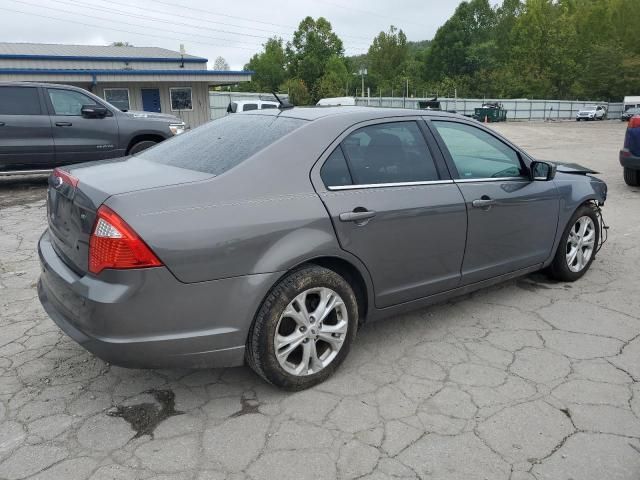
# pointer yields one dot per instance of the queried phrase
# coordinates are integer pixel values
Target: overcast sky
(234, 30)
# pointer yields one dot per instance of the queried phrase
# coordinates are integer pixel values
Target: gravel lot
(528, 380)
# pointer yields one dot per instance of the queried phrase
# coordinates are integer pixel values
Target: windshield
(222, 144)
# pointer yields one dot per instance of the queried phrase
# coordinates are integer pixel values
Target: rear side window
(394, 152)
(249, 106)
(268, 105)
(221, 144)
(19, 101)
(335, 172)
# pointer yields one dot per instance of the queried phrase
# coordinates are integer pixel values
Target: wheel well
(144, 138)
(352, 275)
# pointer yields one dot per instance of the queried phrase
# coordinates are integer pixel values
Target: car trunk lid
(76, 192)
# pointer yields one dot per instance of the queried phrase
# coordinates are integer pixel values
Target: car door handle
(357, 216)
(63, 124)
(484, 202)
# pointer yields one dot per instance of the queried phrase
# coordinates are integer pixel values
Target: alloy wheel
(580, 244)
(311, 331)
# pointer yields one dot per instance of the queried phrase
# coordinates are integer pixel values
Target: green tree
(308, 53)
(298, 92)
(334, 80)
(269, 66)
(387, 56)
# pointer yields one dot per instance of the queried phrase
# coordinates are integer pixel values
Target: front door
(512, 220)
(394, 209)
(26, 140)
(78, 138)
(151, 100)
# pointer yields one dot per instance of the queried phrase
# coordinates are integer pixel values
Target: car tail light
(634, 122)
(63, 177)
(114, 244)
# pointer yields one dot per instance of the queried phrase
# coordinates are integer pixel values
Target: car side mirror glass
(542, 171)
(93, 111)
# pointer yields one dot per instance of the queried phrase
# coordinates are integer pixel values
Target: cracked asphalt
(527, 380)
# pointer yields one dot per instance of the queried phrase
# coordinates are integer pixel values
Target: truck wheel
(303, 329)
(632, 177)
(578, 245)
(140, 146)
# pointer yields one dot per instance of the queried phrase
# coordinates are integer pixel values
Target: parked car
(630, 153)
(45, 125)
(336, 101)
(249, 105)
(592, 112)
(269, 237)
(627, 114)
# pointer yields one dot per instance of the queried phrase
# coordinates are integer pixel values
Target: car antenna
(284, 105)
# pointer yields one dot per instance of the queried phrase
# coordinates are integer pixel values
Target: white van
(336, 101)
(248, 105)
(631, 102)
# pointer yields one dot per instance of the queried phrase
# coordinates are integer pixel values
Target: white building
(131, 78)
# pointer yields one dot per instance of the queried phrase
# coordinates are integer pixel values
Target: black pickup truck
(45, 125)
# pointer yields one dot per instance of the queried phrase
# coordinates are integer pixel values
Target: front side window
(181, 98)
(118, 97)
(476, 153)
(221, 144)
(268, 105)
(19, 101)
(68, 102)
(393, 152)
(249, 106)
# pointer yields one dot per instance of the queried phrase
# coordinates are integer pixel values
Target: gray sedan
(268, 238)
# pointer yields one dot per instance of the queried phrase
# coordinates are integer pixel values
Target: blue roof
(71, 71)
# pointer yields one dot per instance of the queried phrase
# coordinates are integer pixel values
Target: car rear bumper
(628, 160)
(146, 318)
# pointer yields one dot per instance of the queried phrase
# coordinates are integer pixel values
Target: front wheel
(304, 328)
(632, 177)
(141, 146)
(578, 245)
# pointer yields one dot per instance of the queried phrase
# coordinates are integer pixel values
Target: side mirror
(94, 111)
(542, 171)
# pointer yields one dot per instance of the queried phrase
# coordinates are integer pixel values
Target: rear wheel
(632, 177)
(578, 245)
(304, 329)
(140, 146)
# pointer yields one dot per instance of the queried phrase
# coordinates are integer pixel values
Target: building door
(151, 100)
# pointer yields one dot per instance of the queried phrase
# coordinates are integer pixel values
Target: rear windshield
(221, 144)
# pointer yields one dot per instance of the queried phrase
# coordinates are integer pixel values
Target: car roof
(37, 84)
(318, 112)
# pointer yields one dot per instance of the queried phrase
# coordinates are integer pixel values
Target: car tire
(140, 146)
(632, 177)
(563, 268)
(296, 293)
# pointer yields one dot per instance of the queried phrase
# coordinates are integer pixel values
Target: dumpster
(491, 112)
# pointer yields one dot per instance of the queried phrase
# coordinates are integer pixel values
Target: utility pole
(362, 72)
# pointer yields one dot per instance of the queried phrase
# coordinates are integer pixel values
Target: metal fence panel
(517, 109)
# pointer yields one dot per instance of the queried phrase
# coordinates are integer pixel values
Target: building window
(181, 98)
(118, 97)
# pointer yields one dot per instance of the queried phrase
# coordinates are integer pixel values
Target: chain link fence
(517, 109)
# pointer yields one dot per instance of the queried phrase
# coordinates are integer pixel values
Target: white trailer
(631, 102)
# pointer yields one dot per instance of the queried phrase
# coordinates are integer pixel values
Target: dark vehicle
(627, 114)
(630, 153)
(433, 104)
(268, 237)
(45, 125)
(490, 112)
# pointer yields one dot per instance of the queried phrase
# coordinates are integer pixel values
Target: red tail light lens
(64, 177)
(634, 122)
(114, 244)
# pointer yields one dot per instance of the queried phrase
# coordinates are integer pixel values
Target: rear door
(393, 206)
(512, 220)
(78, 138)
(26, 140)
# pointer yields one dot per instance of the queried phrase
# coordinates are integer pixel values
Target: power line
(131, 24)
(172, 22)
(368, 12)
(121, 30)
